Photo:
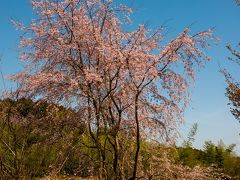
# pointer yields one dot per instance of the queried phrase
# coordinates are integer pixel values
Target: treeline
(38, 139)
(215, 155)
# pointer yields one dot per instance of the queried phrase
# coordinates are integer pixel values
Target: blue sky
(208, 107)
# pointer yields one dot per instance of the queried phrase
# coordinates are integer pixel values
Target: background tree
(191, 136)
(186, 154)
(233, 89)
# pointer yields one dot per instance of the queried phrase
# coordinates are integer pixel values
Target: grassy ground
(67, 178)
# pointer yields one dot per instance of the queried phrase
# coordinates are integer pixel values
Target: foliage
(44, 149)
(219, 156)
(29, 135)
(53, 147)
(233, 89)
(190, 138)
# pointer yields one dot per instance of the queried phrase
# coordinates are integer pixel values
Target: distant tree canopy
(218, 155)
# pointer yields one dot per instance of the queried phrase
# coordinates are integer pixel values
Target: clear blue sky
(209, 105)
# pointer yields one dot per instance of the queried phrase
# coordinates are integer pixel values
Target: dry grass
(67, 178)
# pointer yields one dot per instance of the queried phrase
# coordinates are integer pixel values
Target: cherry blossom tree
(78, 53)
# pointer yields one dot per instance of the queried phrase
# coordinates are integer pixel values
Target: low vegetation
(39, 140)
